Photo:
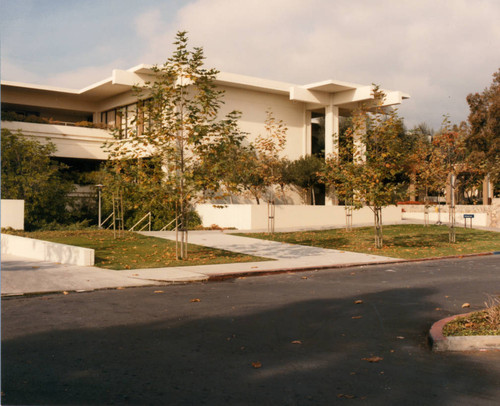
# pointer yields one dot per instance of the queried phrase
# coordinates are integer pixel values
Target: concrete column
(331, 144)
(359, 133)
(487, 190)
(307, 148)
(331, 129)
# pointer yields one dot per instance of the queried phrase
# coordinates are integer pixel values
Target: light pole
(99, 190)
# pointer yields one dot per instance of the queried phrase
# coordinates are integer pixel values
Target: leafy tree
(483, 136)
(268, 148)
(29, 174)
(369, 172)
(259, 166)
(228, 161)
(180, 122)
(304, 173)
(140, 182)
(342, 172)
(449, 156)
(425, 163)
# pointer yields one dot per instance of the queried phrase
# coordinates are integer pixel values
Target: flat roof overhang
(345, 95)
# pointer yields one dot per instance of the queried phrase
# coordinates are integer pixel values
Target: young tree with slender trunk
(373, 176)
(179, 117)
(449, 156)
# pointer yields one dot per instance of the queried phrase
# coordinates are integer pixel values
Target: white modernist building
(77, 121)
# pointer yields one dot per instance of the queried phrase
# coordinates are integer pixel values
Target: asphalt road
(159, 346)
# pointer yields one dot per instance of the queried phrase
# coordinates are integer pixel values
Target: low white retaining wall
(480, 219)
(12, 214)
(482, 214)
(46, 251)
(254, 217)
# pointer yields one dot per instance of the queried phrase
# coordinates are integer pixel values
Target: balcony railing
(11, 116)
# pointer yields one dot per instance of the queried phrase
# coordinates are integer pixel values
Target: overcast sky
(438, 51)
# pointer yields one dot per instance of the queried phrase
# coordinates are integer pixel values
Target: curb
(264, 272)
(460, 343)
(224, 276)
(234, 275)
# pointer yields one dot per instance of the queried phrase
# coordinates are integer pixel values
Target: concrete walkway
(24, 276)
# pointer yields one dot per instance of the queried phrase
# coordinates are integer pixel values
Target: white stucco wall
(71, 141)
(254, 217)
(253, 106)
(480, 219)
(12, 214)
(47, 251)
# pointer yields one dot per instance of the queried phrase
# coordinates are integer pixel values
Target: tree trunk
(377, 211)
(426, 211)
(452, 231)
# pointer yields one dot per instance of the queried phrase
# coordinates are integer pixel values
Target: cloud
(77, 78)
(17, 72)
(436, 51)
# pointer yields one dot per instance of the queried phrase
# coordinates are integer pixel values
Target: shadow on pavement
(175, 352)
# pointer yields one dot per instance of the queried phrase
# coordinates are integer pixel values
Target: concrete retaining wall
(482, 214)
(12, 214)
(46, 251)
(255, 217)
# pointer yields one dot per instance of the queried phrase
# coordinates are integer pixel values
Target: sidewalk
(25, 276)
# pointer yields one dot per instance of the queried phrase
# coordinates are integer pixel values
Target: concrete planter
(460, 343)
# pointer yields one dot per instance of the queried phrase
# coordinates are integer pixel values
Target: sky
(438, 51)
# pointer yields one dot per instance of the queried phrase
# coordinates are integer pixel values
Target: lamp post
(99, 190)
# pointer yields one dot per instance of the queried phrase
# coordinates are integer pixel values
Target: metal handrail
(164, 228)
(103, 222)
(148, 224)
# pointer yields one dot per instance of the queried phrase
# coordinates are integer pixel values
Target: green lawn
(400, 241)
(135, 251)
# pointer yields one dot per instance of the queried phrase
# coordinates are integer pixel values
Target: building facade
(78, 122)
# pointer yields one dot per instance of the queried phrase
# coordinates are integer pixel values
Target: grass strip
(400, 241)
(474, 324)
(135, 251)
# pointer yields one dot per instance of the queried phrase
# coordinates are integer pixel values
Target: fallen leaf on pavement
(296, 342)
(120, 288)
(65, 293)
(158, 291)
(356, 317)
(342, 395)
(195, 300)
(304, 277)
(256, 364)
(358, 301)
(372, 359)
(466, 305)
